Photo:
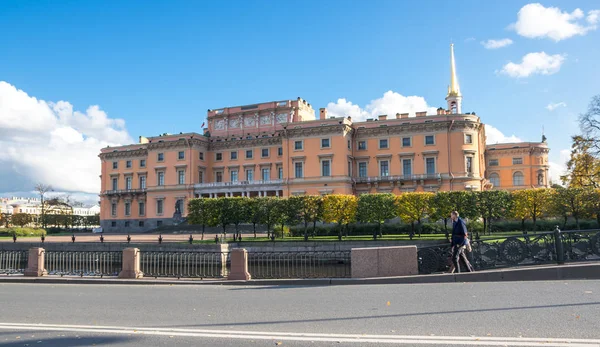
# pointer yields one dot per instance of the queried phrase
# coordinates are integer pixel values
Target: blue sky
(160, 65)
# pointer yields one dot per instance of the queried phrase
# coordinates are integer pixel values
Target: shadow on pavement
(386, 316)
(62, 341)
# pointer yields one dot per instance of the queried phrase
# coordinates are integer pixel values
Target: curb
(587, 271)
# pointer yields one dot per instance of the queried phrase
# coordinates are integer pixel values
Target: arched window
(495, 180)
(518, 179)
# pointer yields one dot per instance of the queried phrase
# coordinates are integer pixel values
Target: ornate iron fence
(185, 264)
(528, 249)
(310, 264)
(13, 262)
(83, 263)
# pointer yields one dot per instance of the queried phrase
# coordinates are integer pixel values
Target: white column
(277, 193)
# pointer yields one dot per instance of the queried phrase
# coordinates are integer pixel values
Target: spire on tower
(453, 88)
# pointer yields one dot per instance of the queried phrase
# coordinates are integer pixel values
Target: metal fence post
(558, 245)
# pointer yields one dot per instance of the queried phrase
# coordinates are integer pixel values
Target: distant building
(281, 149)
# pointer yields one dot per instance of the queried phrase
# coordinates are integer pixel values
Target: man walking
(459, 242)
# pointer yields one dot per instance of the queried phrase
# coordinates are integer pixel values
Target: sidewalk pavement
(577, 271)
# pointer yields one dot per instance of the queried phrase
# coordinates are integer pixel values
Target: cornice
(412, 128)
(237, 144)
(135, 153)
(299, 131)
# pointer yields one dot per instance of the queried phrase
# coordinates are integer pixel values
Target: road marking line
(355, 338)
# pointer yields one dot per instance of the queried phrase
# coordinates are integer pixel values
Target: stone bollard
(35, 263)
(131, 264)
(239, 265)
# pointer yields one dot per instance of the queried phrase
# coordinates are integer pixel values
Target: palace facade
(282, 149)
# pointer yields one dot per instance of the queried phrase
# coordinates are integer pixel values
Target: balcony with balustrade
(254, 188)
(124, 193)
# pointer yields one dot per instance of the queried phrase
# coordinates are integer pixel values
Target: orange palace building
(282, 149)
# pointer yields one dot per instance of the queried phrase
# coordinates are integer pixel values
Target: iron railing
(13, 262)
(83, 263)
(528, 249)
(310, 264)
(184, 264)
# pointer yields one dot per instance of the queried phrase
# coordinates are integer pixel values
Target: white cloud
(51, 143)
(535, 63)
(390, 104)
(537, 21)
(552, 107)
(469, 39)
(495, 44)
(558, 168)
(494, 136)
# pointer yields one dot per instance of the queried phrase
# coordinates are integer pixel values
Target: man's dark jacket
(459, 232)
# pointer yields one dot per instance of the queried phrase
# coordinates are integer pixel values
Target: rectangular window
(493, 162)
(517, 161)
(181, 177)
(326, 168)
(265, 152)
(181, 155)
(407, 167)
(127, 223)
(298, 145)
(159, 223)
(362, 145)
(280, 151)
(219, 176)
(160, 178)
(218, 156)
(115, 165)
(469, 164)
(141, 223)
(160, 157)
(249, 175)
(280, 173)
(127, 208)
(298, 170)
(201, 155)
(233, 175)
(383, 143)
(429, 140)
(349, 144)
(406, 142)
(468, 139)
(201, 177)
(233, 155)
(324, 143)
(128, 164)
(115, 184)
(384, 168)
(362, 169)
(430, 166)
(142, 182)
(142, 163)
(142, 208)
(266, 174)
(249, 154)
(128, 182)
(113, 224)
(113, 209)
(159, 207)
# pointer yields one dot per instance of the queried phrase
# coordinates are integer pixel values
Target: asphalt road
(501, 314)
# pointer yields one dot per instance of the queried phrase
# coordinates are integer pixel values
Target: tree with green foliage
(198, 213)
(255, 210)
(492, 204)
(339, 209)
(441, 209)
(310, 210)
(238, 212)
(268, 213)
(465, 203)
(583, 168)
(5, 219)
(576, 201)
(376, 209)
(414, 207)
(530, 204)
(558, 207)
(286, 212)
(21, 219)
(594, 204)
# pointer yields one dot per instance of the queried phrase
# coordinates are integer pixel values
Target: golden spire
(453, 88)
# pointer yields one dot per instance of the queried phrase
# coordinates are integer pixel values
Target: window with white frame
(218, 156)
(142, 163)
(407, 167)
(113, 209)
(383, 143)
(325, 167)
(298, 169)
(493, 162)
(265, 153)
(266, 174)
(201, 155)
(128, 164)
(159, 206)
(160, 157)
(201, 176)
(219, 176)
(430, 166)
(249, 154)
(142, 182)
(279, 151)
(115, 165)
(249, 174)
(298, 145)
(325, 143)
(280, 172)
(384, 168)
(127, 208)
(468, 139)
(128, 180)
(469, 165)
(429, 140)
(517, 161)
(362, 145)
(180, 176)
(495, 180)
(233, 175)
(115, 184)
(518, 179)
(362, 169)
(233, 155)
(160, 178)
(181, 155)
(141, 208)
(406, 142)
